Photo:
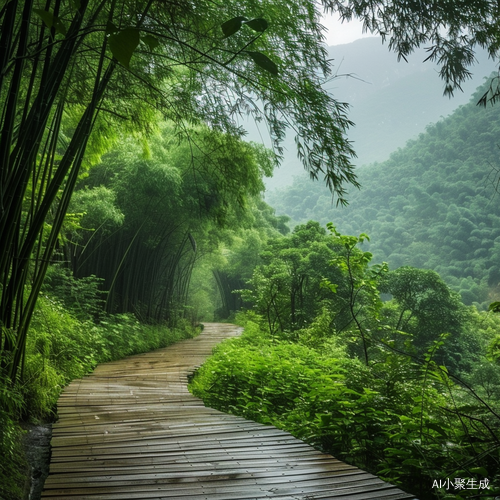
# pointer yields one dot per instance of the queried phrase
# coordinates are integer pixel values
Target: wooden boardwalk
(131, 430)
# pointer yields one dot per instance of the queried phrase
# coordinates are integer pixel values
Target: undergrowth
(409, 423)
(64, 344)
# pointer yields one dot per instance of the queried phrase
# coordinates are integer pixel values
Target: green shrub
(407, 422)
(82, 297)
(12, 464)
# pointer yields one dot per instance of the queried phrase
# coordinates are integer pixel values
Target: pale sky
(340, 33)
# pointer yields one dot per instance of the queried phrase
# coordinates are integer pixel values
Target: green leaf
(60, 27)
(412, 461)
(111, 28)
(75, 4)
(259, 24)
(51, 21)
(494, 307)
(150, 41)
(479, 470)
(325, 419)
(437, 428)
(47, 17)
(232, 26)
(264, 62)
(123, 44)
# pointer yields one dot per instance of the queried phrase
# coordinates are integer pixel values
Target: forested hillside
(434, 204)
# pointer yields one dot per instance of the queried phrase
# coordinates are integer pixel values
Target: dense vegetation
(126, 255)
(406, 388)
(83, 82)
(432, 205)
(70, 68)
(79, 77)
(147, 239)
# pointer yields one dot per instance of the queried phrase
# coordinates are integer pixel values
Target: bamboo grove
(143, 242)
(74, 72)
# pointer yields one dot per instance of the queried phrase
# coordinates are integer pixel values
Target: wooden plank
(235, 479)
(195, 473)
(173, 463)
(179, 470)
(131, 430)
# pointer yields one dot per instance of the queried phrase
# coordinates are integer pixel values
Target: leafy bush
(12, 464)
(405, 421)
(62, 347)
(82, 297)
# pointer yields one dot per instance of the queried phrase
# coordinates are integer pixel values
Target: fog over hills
(391, 102)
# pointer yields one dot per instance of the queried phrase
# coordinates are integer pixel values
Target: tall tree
(285, 288)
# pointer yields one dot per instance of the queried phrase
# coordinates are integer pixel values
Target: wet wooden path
(131, 430)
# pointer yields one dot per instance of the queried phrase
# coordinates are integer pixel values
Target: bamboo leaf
(232, 26)
(111, 28)
(123, 45)
(47, 17)
(263, 62)
(51, 21)
(479, 470)
(150, 41)
(412, 461)
(60, 27)
(259, 24)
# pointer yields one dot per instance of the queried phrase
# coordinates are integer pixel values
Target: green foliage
(12, 463)
(264, 376)
(485, 378)
(372, 383)
(408, 423)
(98, 211)
(361, 298)
(425, 308)
(321, 334)
(429, 206)
(285, 289)
(123, 43)
(82, 297)
(190, 196)
(439, 27)
(494, 349)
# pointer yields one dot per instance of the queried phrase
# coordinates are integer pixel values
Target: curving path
(131, 430)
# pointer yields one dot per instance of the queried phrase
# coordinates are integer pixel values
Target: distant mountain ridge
(391, 102)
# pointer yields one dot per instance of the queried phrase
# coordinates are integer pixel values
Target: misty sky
(340, 33)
